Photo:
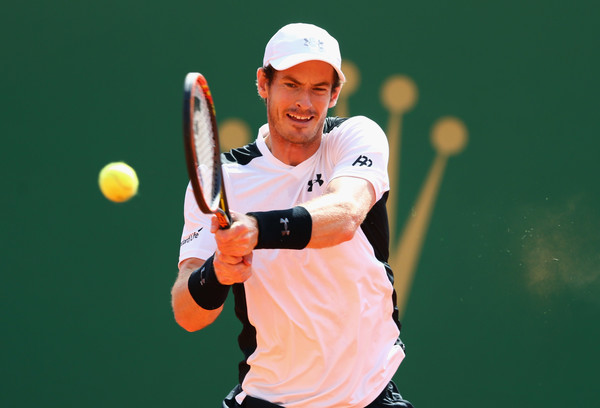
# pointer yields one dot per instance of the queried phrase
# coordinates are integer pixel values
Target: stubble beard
(281, 127)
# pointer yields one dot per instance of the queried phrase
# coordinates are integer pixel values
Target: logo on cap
(313, 43)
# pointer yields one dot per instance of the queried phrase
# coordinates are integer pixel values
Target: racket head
(202, 151)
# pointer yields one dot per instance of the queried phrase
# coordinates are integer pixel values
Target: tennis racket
(202, 152)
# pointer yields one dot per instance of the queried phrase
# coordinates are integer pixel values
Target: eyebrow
(294, 80)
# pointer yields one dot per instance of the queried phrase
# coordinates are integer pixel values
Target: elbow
(186, 323)
(186, 317)
(192, 317)
(347, 233)
(194, 323)
(352, 224)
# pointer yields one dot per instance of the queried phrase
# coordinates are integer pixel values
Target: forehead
(309, 71)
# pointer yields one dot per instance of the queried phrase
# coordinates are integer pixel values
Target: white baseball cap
(299, 42)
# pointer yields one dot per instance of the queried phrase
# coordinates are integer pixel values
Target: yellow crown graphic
(449, 136)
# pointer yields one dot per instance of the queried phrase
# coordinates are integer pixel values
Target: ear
(262, 83)
(334, 96)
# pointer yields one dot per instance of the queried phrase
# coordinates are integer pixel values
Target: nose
(303, 99)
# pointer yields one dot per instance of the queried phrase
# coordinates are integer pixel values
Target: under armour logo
(317, 180)
(363, 161)
(203, 275)
(313, 43)
(285, 230)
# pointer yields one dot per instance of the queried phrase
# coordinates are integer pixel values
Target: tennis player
(306, 255)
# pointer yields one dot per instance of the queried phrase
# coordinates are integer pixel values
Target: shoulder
(335, 123)
(242, 155)
(352, 131)
(332, 123)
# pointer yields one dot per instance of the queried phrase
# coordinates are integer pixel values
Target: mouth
(300, 118)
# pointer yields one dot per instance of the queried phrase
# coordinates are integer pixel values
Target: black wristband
(285, 229)
(205, 288)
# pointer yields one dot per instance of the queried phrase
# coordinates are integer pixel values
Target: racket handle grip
(223, 218)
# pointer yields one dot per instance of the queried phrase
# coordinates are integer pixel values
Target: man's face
(297, 101)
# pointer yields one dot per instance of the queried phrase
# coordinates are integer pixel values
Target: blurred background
(502, 301)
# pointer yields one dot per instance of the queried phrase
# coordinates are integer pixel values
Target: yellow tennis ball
(118, 182)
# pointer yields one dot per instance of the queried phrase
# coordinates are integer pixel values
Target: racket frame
(196, 81)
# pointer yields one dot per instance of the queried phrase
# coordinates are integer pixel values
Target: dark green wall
(505, 303)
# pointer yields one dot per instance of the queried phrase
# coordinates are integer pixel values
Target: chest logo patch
(318, 180)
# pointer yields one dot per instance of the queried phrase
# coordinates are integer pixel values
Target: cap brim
(289, 61)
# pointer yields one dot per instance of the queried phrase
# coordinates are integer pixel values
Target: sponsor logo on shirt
(318, 180)
(191, 237)
(363, 161)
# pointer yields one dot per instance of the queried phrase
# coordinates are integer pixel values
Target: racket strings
(205, 149)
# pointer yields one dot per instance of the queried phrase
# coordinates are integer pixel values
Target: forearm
(325, 221)
(338, 213)
(333, 223)
(187, 313)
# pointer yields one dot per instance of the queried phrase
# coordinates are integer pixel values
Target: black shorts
(389, 398)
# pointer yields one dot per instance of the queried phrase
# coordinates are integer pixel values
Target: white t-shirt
(325, 334)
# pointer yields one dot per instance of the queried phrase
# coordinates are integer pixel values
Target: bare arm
(338, 213)
(335, 215)
(187, 313)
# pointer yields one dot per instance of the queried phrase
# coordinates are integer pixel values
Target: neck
(289, 153)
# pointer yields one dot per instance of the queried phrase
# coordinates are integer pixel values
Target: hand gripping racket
(202, 152)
